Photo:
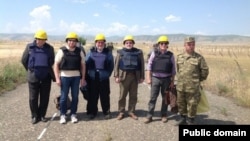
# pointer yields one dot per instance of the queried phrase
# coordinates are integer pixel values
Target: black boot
(190, 121)
(182, 120)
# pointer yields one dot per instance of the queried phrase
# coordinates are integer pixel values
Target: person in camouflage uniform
(191, 70)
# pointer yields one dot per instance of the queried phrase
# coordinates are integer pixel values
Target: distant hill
(140, 38)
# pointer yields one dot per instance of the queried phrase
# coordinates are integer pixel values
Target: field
(229, 64)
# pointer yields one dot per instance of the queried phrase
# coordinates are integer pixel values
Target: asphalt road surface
(15, 121)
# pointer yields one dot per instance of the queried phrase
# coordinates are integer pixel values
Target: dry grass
(229, 65)
(229, 68)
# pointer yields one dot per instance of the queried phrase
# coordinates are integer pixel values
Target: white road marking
(44, 130)
(52, 118)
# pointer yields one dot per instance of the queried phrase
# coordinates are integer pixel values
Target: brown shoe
(148, 120)
(164, 119)
(120, 116)
(133, 116)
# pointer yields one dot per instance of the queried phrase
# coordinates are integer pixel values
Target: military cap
(189, 39)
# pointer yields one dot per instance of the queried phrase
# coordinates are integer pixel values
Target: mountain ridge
(138, 38)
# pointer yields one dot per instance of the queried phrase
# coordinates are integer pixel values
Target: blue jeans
(69, 83)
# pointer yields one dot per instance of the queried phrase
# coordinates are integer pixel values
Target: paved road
(15, 119)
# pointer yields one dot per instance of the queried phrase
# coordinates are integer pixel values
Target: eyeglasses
(163, 43)
(128, 42)
(100, 42)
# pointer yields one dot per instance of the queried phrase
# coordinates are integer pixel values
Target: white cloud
(72, 27)
(110, 6)
(156, 30)
(115, 27)
(172, 18)
(153, 21)
(9, 27)
(41, 17)
(78, 27)
(133, 29)
(80, 1)
(200, 33)
(113, 8)
(41, 12)
(96, 15)
(146, 26)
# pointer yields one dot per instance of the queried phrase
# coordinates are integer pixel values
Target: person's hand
(141, 80)
(171, 86)
(149, 81)
(117, 80)
(58, 82)
(83, 82)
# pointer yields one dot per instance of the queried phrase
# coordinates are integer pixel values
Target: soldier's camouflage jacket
(191, 70)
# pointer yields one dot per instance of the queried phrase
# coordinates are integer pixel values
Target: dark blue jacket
(104, 73)
(25, 58)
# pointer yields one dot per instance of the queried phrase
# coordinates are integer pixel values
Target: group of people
(70, 68)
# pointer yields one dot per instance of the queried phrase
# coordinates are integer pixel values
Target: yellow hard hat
(41, 34)
(162, 39)
(72, 35)
(99, 37)
(128, 38)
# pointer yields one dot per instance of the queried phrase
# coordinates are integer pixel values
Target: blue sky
(123, 17)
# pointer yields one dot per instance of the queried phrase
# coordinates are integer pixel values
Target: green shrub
(11, 75)
(222, 89)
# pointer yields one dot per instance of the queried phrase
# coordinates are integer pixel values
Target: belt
(130, 72)
(162, 77)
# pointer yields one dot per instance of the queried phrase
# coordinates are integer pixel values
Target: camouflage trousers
(187, 103)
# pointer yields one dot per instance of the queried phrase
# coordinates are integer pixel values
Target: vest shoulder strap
(64, 49)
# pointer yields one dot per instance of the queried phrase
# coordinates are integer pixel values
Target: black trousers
(39, 93)
(99, 89)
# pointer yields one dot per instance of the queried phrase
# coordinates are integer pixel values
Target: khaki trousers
(128, 86)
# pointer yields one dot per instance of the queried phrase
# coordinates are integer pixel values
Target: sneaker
(74, 119)
(63, 119)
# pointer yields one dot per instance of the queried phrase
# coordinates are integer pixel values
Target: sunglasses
(163, 43)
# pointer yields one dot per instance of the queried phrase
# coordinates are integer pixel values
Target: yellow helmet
(72, 35)
(162, 39)
(128, 38)
(99, 37)
(41, 34)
